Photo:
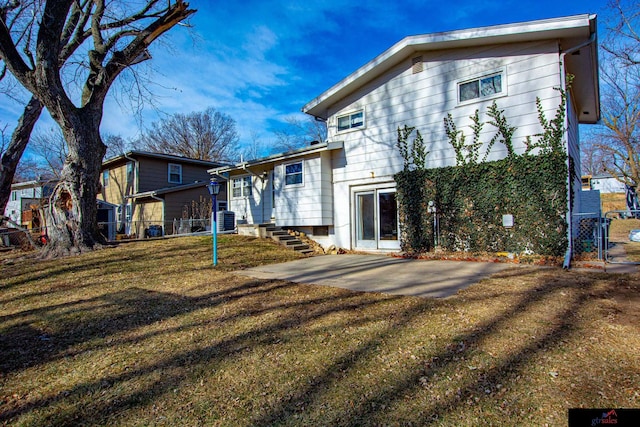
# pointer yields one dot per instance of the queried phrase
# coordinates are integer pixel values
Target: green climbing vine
(471, 198)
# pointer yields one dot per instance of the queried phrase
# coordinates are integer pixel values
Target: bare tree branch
(207, 135)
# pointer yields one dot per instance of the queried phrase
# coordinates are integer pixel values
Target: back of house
(348, 181)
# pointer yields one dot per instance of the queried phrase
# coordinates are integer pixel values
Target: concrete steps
(284, 238)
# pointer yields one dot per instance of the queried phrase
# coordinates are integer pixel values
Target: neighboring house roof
(137, 154)
(33, 184)
(275, 158)
(572, 32)
(166, 190)
(606, 176)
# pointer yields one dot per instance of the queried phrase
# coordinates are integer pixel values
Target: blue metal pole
(214, 230)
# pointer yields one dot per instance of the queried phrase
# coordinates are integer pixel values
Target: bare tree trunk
(19, 140)
(71, 216)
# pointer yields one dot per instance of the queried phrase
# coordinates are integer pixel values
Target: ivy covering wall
(461, 208)
(470, 201)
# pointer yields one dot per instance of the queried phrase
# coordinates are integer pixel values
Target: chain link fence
(623, 237)
(590, 239)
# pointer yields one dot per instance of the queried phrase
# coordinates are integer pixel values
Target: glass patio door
(376, 220)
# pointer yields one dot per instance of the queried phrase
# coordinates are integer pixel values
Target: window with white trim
(484, 87)
(351, 121)
(129, 172)
(14, 195)
(105, 178)
(241, 187)
(293, 174)
(175, 173)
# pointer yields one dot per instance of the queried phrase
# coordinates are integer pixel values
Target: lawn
(149, 333)
(619, 235)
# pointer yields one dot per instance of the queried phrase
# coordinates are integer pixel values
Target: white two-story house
(342, 191)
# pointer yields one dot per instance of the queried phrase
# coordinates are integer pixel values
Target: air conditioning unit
(226, 221)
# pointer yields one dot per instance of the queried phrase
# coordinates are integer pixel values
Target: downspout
(563, 82)
(164, 226)
(135, 189)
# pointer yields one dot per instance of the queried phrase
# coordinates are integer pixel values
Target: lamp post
(214, 189)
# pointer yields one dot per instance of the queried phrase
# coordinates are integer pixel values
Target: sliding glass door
(376, 225)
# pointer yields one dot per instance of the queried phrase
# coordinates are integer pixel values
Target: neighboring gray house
(342, 191)
(23, 196)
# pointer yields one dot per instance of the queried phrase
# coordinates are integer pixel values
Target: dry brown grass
(150, 334)
(619, 235)
(613, 202)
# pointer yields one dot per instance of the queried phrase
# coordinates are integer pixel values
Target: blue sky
(261, 61)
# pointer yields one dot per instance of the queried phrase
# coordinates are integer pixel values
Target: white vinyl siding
(309, 204)
(422, 100)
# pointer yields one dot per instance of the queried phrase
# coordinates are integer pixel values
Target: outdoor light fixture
(214, 189)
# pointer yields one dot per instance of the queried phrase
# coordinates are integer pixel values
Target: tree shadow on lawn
(25, 346)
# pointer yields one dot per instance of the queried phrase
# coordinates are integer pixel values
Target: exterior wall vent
(417, 65)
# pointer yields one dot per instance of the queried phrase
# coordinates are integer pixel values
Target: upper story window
(14, 195)
(175, 173)
(129, 172)
(242, 187)
(483, 87)
(105, 178)
(351, 121)
(293, 174)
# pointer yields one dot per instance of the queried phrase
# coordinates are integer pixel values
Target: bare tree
(299, 133)
(116, 145)
(617, 145)
(208, 135)
(255, 149)
(50, 150)
(591, 157)
(111, 38)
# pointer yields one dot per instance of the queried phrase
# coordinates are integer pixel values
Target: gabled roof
(135, 154)
(571, 32)
(289, 155)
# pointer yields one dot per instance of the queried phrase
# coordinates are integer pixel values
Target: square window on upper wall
(351, 121)
(489, 86)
